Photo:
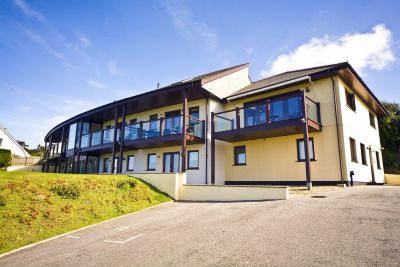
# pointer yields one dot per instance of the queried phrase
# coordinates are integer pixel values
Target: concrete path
(357, 226)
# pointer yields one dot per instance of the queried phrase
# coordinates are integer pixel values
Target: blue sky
(60, 58)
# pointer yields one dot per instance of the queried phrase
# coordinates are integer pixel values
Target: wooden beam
(114, 139)
(122, 140)
(184, 133)
(306, 138)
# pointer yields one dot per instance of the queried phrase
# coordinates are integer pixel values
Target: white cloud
(84, 40)
(362, 50)
(28, 10)
(96, 84)
(248, 50)
(188, 28)
(114, 69)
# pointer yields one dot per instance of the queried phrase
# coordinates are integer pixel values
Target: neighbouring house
(10, 143)
(222, 128)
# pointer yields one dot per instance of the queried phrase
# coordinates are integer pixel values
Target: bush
(66, 191)
(126, 184)
(3, 201)
(5, 158)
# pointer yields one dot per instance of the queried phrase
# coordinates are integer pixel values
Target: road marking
(121, 242)
(121, 228)
(72, 236)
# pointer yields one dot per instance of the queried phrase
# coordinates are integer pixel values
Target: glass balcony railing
(108, 135)
(151, 129)
(172, 125)
(85, 140)
(96, 139)
(132, 132)
(225, 121)
(282, 109)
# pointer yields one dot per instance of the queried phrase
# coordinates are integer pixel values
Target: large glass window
(92, 164)
(301, 154)
(240, 155)
(72, 136)
(255, 115)
(106, 165)
(193, 159)
(151, 162)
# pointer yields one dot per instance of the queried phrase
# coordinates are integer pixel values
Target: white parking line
(121, 228)
(72, 236)
(121, 242)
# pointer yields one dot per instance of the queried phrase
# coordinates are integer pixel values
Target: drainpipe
(337, 129)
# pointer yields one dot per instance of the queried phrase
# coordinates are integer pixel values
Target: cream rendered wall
(275, 159)
(229, 84)
(140, 164)
(355, 124)
(12, 145)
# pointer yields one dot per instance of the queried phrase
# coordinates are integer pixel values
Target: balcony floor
(163, 141)
(275, 129)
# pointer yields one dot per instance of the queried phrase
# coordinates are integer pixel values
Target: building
(222, 128)
(10, 143)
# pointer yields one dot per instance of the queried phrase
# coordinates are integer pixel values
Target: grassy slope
(30, 211)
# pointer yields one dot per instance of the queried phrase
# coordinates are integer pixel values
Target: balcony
(147, 134)
(278, 116)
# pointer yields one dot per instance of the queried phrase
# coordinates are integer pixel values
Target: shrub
(126, 184)
(5, 158)
(3, 201)
(66, 191)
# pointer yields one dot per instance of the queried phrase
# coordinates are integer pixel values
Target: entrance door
(171, 162)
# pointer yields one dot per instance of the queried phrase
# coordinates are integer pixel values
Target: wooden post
(306, 140)
(62, 147)
(122, 140)
(184, 133)
(237, 119)
(86, 163)
(212, 149)
(114, 139)
(49, 153)
(45, 157)
(79, 147)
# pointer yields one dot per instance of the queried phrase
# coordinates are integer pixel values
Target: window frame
(105, 164)
(188, 159)
(148, 161)
(353, 150)
(127, 163)
(235, 156)
(363, 154)
(372, 120)
(298, 141)
(378, 160)
(350, 100)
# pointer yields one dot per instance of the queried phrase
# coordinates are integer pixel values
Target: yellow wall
(275, 159)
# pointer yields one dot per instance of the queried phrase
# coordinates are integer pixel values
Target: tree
(389, 129)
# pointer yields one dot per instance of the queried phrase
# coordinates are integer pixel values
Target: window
(72, 136)
(108, 127)
(1, 142)
(350, 100)
(353, 150)
(130, 163)
(363, 155)
(372, 120)
(240, 155)
(378, 160)
(132, 121)
(106, 165)
(151, 162)
(285, 109)
(193, 159)
(301, 154)
(194, 112)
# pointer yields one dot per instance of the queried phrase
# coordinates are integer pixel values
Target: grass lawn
(36, 206)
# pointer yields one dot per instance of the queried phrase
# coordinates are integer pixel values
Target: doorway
(171, 162)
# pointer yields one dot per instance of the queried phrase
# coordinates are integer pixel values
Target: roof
(15, 141)
(283, 77)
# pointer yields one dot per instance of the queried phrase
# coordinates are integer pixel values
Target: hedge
(5, 158)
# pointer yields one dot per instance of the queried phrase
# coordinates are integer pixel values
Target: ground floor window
(130, 163)
(363, 155)
(193, 159)
(301, 154)
(151, 162)
(353, 150)
(106, 165)
(378, 160)
(240, 155)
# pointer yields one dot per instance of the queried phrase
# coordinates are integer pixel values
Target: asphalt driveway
(357, 226)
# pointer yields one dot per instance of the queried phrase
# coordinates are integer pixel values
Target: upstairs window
(363, 155)
(240, 155)
(350, 100)
(353, 150)
(372, 120)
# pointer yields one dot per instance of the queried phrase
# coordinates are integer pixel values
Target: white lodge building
(222, 128)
